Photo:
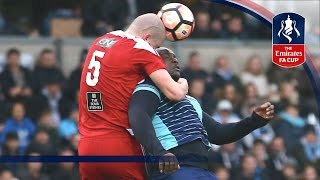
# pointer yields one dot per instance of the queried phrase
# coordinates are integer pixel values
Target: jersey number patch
(92, 79)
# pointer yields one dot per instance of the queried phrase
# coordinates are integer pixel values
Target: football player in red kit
(115, 64)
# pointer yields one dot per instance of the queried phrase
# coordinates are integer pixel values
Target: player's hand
(266, 111)
(184, 85)
(168, 163)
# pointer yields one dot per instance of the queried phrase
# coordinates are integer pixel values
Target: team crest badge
(288, 40)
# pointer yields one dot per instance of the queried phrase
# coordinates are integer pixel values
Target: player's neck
(132, 33)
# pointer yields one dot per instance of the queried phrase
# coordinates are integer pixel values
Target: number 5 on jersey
(93, 80)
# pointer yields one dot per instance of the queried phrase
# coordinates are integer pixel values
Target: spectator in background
(46, 67)
(310, 173)
(290, 126)
(254, 74)
(46, 123)
(229, 156)
(6, 174)
(265, 133)
(69, 126)
(222, 173)
(11, 148)
(66, 170)
(32, 170)
(45, 120)
(41, 143)
(224, 13)
(249, 99)
(311, 144)
(193, 68)
(278, 159)
(235, 29)
(202, 28)
(74, 79)
(305, 90)
(219, 14)
(16, 81)
(20, 124)
(229, 92)
(44, 11)
(217, 28)
(17, 17)
(249, 169)
(288, 95)
(197, 90)
(225, 113)
(223, 75)
(102, 16)
(260, 153)
(11, 145)
(65, 10)
(276, 74)
(289, 172)
(52, 99)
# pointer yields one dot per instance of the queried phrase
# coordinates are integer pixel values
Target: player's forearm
(227, 133)
(142, 107)
(174, 91)
(143, 131)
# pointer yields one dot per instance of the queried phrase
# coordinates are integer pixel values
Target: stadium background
(51, 37)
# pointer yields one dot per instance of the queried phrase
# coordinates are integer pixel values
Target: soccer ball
(178, 21)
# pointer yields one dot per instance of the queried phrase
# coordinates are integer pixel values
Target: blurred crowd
(286, 148)
(39, 116)
(33, 17)
(213, 20)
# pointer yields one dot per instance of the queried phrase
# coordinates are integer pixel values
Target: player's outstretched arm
(174, 91)
(227, 133)
(143, 105)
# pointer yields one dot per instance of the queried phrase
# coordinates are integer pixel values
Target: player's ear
(146, 37)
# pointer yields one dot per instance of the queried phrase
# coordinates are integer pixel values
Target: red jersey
(115, 64)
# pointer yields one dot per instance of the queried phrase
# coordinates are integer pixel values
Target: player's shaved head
(148, 26)
(147, 22)
(163, 50)
(171, 62)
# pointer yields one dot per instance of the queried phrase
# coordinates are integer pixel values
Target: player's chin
(176, 76)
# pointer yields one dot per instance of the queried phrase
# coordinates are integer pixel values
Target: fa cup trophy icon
(286, 31)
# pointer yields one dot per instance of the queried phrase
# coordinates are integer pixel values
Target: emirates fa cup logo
(288, 40)
(287, 30)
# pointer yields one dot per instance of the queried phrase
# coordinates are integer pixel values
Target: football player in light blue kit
(180, 132)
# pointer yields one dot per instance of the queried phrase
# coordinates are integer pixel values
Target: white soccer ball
(178, 21)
